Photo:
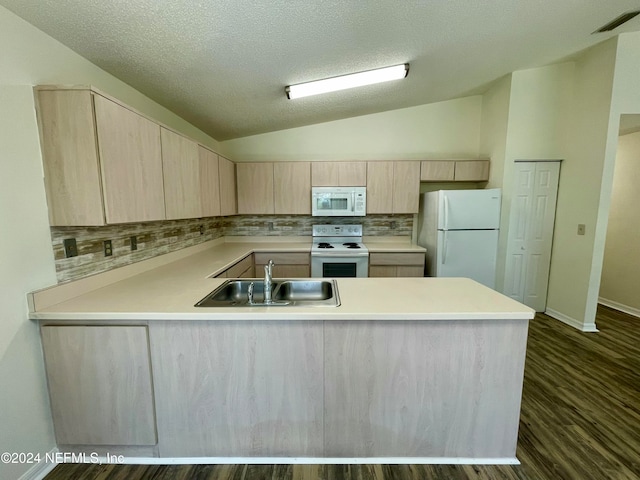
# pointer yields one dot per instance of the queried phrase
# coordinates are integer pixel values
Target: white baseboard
(41, 469)
(620, 306)
(572, 322)
(321, 461)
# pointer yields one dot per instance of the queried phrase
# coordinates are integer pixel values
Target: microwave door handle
(353, 201)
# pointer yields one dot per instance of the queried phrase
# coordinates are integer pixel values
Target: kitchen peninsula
(415, 369)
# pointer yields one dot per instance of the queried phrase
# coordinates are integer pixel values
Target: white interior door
(533, 210)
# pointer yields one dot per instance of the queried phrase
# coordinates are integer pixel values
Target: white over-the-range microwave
(338, 201)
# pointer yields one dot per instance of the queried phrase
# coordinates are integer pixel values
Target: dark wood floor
(580, 420)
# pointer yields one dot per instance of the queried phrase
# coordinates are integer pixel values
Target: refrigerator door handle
(353, 201)
(444, 247)
(446, 212)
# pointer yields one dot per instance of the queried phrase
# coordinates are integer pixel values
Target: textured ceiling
(223, 64)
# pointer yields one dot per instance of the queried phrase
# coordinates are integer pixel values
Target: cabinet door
(181, 173)
(209, 183)
(100, 384)
(437, 171)
(70, 157)
(352, 174)
(406, 187)
(472, 170)
(339, 174)
(240, 389)
(324, 174)
(380, 187)
(255, 188)
(292, 187)
(228, 188)
(131, 164)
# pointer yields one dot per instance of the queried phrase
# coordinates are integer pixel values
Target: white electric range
(338, 251)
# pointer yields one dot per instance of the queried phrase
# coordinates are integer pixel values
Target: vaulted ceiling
(223, 64)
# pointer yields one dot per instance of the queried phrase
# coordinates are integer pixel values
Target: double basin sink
(284, 292)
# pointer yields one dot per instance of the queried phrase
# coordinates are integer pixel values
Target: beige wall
(620, 281)
(579, 197)
(625, 99)
(29, 57)
(539, 106)
(493, 145)
(440, 130)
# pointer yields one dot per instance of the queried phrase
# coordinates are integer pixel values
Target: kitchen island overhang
(430, 374)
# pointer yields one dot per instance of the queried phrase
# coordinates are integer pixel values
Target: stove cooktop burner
(325, 245)
(351, 245)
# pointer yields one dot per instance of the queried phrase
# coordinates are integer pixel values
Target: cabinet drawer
(240, 267)
(396, 259)
(282, 258)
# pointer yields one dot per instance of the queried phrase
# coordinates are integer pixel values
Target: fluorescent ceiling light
(347, 81)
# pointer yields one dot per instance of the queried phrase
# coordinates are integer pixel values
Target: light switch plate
(581, 228)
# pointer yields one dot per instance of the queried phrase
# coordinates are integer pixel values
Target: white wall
(440, 130)
(620, 281)
(29, 57)
(579, 197)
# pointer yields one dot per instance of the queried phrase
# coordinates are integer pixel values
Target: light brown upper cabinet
(393, 187)
(131, 164)
(209, 182)
(228, 191)
(181, 171)
(454, 171)
(472, 170)
(102, 161)
(339, 174)
(255, 188)
(437, 171)
(292, 188)
(71, 166)
(274, 188)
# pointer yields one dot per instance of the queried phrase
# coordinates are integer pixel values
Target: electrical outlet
(581, 228)
(108, 251)
(270, 226)
(393, 225)
(134, 243)
(70, 247)
(201, 229)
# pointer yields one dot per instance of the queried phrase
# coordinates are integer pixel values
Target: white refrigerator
(459, 229)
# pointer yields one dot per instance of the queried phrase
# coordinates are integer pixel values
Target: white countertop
(169, 292)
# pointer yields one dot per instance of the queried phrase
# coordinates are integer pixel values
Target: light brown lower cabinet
(238, 388)
(100, 384)
(291, 388)
(396, 264)
(241, 269)
(423, 388)
(286, 265)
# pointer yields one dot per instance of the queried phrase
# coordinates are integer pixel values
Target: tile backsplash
(157, 238)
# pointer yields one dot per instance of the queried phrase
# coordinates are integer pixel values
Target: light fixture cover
(344, 82)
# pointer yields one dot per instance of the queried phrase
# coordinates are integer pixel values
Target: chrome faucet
(268, 269)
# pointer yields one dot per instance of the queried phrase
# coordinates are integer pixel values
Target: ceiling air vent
(613, 24)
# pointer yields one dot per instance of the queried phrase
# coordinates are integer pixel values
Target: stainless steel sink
(285, 292)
